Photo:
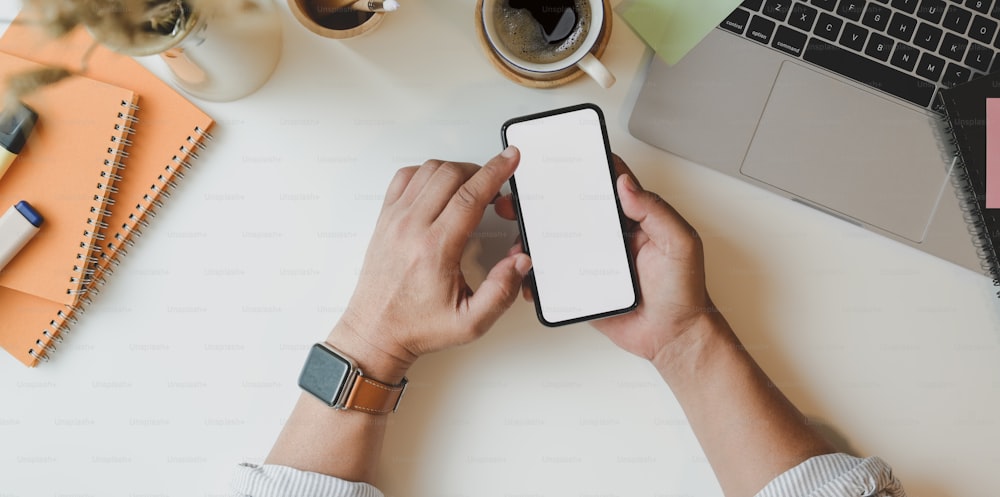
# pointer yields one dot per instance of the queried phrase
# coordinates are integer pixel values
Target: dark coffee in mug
(542, 31)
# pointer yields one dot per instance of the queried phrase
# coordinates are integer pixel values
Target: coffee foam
(521, 34)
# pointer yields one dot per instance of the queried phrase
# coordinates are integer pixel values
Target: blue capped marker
(17, 227)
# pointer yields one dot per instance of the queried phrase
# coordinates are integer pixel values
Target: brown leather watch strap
(374, 397)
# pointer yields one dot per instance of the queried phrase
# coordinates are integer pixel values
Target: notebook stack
(109, 146)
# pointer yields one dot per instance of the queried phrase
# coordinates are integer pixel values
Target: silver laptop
(830, 103)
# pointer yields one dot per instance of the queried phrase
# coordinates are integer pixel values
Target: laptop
(831, 104)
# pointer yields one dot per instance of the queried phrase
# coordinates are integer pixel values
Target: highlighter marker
(16, 123)
(17, 227)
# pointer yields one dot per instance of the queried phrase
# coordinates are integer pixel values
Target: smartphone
(570, 218)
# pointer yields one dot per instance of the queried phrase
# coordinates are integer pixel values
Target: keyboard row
(937, 18)
(929, 10)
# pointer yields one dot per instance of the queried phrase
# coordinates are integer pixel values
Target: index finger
(465, 208)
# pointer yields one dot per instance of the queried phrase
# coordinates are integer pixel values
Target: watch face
(325, 374)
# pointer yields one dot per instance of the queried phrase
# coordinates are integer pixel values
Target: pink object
(993, 153)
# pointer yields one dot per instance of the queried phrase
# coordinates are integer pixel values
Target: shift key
(869, 72)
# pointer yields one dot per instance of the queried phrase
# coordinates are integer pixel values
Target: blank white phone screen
(569, 216)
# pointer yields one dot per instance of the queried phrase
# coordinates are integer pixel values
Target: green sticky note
(674, 27)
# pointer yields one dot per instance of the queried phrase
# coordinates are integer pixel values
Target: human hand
(670, 267)
(412, 297)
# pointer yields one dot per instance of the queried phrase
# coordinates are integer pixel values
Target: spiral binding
(86, 264)
(969, 201)
(95, 270)
(95, 224)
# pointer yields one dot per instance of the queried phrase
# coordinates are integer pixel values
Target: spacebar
(869, 72)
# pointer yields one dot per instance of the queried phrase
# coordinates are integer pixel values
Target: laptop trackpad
(850, 151)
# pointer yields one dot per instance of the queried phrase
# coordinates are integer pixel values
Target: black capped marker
(16, 123)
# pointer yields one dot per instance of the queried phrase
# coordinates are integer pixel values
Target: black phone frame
(621, 215)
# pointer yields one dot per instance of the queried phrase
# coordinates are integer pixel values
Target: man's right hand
(749, 431)
(670, 267)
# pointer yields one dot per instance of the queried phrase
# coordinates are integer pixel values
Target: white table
(186, 364)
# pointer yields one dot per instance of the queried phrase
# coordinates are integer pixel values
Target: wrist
(687, 356)
(373, 361)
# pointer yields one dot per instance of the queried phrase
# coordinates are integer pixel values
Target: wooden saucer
(558, 79)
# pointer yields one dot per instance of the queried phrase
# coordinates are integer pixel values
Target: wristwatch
(334, 378)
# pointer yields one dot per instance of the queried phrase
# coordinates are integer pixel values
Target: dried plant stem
(22, 84)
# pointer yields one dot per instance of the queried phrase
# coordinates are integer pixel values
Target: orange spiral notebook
(169, 131)
(67, 170)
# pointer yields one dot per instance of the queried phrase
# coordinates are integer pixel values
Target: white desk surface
(186, 364)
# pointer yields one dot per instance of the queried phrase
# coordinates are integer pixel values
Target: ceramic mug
(579, 58)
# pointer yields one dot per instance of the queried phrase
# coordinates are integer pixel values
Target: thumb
(498, 291)
(655, 216)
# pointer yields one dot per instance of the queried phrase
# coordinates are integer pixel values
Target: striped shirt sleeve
(831, 475)
(272, 480)
(836, 475)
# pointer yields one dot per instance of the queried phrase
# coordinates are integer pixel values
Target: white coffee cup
(581, 58)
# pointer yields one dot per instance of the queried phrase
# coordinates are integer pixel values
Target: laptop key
(854, 37)
(828, 27)
(789, 41)
(825, 4)
(760, 30)
(879, 46)
(930, 67)
(955, 75)
(777, 9)
(902, 26)
(979, 57)
(931, 10)
(953, 47)
(869, 72)
(876, 17)
(983, 29)
(905, 57)
(851, 9)
(927, 36)
(907, 6)
(981, 6)
(736, 22)
(802, 16)
(753, 5)
(957, 19)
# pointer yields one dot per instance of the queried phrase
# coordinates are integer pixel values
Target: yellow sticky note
(674, 27)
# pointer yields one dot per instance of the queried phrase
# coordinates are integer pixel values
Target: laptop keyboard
(907, 48)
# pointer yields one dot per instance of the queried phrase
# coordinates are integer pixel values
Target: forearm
(341, 443)
(317, 438)
(748, 429)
